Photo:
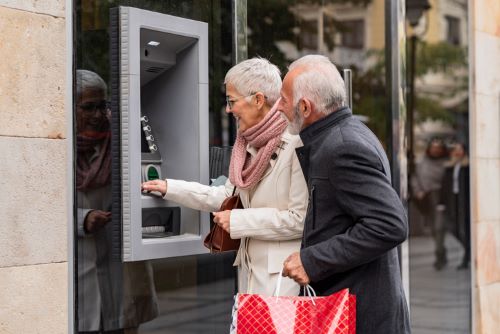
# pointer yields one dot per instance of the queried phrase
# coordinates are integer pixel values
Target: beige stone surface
(487, 63)
(33, 221)
(488, 253)
(487, 192)
(489, 304)
(34, 299)
(487, 120)
(49, 7)
(32, 74)
(487, 16)
(476, 311)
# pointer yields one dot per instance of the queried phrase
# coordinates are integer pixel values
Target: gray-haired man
(355, 219)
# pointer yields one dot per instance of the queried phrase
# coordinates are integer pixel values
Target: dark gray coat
(354, 221)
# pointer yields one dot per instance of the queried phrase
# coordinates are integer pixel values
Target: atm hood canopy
(159, 51)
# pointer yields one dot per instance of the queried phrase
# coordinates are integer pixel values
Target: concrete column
(485, 162)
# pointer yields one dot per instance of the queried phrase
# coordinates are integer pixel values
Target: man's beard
(295, 126)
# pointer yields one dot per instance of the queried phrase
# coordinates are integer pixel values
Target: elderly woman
(267, 175)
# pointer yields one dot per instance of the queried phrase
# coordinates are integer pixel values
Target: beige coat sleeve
(197, 196)
(272, 223)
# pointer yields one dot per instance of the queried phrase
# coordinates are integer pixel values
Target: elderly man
(355, 219)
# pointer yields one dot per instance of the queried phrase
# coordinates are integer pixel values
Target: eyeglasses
(230, 102)
(89, 107)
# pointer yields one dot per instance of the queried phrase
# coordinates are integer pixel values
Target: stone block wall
(485, 163)
(33, 172)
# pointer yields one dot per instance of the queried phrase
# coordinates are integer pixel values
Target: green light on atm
(153, 173)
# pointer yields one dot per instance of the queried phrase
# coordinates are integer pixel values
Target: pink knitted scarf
(245, 171)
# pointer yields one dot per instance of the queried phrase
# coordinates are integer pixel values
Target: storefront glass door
(187, 294)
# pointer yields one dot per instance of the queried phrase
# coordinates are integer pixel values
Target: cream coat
(271, 224)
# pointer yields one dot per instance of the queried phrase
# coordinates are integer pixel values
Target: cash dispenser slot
(160, 222)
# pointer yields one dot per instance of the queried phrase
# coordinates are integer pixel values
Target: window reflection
(111, 295)
(349, 32)
(439, 204)
(178, 295)
(353, 34)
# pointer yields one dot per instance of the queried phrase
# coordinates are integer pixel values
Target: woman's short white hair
(86, 79)
(256, 75)
(319, 82)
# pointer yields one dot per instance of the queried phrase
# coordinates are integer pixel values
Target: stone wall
(485, 164)
(33, 173)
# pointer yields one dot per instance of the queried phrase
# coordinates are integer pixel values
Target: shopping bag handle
(309, 291)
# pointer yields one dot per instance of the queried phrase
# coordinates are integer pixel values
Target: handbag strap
(234, 190)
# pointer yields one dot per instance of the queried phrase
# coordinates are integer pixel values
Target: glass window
(191, 294)
(353, 34)
(283, 31)
(309, 35)
(439, 212)
(452, 30)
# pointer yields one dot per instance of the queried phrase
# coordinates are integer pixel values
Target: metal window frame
(395, 51)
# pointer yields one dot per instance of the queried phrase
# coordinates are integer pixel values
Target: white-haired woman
(267, 175)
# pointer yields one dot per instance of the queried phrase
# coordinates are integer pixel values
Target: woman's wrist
(166, 188)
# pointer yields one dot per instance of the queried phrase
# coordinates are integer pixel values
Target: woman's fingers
(222, 218)
(155, 185)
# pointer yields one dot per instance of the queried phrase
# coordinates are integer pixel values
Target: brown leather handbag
(218, 240)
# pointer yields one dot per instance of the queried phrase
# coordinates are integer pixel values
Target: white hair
(256, 75)
(295, 125)
(319, 82)
(89, 80)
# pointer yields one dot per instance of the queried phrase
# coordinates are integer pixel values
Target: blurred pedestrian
(426, 186)
(454, 199)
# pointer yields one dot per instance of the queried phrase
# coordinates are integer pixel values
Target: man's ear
(305, 107)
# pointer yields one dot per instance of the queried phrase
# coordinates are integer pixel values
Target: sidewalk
(439, 300)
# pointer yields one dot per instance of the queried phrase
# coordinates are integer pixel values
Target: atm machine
(159, 93)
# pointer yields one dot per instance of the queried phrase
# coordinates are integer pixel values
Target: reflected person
(426, 185)
(113, 297)
(355, 219)
(454, 199)
(267, 175)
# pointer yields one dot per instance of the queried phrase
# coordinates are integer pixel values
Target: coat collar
(308, 133)
(286, 138)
